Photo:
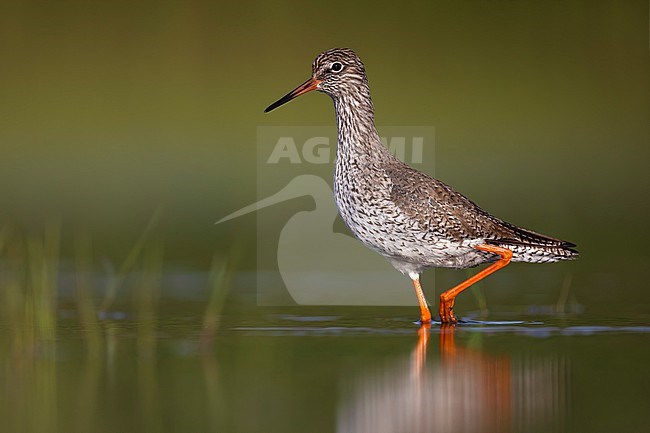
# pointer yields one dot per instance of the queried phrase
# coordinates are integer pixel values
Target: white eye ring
(337, 67)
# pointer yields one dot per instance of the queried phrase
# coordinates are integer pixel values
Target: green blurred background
(111, 110)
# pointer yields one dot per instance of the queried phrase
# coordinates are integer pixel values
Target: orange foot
(425, 316)
(447, 298)
(446, 309)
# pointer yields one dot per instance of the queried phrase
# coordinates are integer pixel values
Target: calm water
(172, 365)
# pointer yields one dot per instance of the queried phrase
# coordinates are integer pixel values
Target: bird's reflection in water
(461, 390)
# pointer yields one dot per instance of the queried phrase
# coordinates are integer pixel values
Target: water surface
(334, 369)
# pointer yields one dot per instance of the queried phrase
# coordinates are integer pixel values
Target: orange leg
(425, 314)
(448, 298)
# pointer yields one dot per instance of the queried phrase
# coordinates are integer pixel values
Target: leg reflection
(461, 388)
(420, 351)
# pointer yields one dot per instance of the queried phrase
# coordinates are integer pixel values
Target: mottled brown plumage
(412, 219)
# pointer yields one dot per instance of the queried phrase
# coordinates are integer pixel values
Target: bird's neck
(357, 136)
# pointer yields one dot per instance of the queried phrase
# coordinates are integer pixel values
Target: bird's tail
(529, 246)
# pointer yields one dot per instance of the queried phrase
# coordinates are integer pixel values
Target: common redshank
(415, 221)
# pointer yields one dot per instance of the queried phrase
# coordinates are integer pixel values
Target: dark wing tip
(561, 245)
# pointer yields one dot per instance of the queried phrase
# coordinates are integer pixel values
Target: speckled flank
(412, 219)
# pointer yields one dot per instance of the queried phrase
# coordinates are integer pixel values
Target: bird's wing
(436, 207)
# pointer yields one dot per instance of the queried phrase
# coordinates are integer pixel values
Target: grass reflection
(83, 293)
(28, 305)
(41, 330)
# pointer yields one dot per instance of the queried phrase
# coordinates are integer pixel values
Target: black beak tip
(279, 102)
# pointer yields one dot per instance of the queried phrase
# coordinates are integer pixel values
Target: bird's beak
(307, 86)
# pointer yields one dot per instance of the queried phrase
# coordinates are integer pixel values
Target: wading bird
(415, 221)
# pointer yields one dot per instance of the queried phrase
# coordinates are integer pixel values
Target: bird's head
(336, 72)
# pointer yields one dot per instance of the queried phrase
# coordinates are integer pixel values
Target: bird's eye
(337, 66)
